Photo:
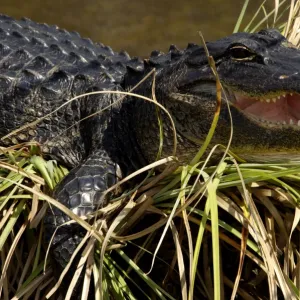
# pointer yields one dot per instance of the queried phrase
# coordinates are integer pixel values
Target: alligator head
(260, 77)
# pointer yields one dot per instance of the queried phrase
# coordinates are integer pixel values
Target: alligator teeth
(291, 122)
(278, 97)
(268, 100)
(284, 122)
(291, 94)
(298, 123)
(274, 99)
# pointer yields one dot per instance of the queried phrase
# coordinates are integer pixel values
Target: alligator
(42, 67)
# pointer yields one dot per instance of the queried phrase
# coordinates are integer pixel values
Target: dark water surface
(137, 26)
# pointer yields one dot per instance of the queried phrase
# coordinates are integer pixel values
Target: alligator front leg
(80, 191)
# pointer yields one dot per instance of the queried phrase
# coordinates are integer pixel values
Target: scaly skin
(43, 66)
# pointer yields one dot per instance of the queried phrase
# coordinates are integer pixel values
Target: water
(137, 26)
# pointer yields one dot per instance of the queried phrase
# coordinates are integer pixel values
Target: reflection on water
(138, 26)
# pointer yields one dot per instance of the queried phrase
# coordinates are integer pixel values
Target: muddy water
(138, 26)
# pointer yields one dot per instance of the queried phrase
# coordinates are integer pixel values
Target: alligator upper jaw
(273, 109)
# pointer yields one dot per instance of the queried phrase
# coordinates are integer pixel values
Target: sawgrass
(170, 237)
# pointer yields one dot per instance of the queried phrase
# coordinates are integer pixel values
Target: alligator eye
(241, 53)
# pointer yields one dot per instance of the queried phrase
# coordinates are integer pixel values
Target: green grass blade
(241, 17)
(41, 165)
(254, 17)
(156, 288)
(11, 223)
(212, 200)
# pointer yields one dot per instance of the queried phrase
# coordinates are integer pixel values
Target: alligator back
(41, 67)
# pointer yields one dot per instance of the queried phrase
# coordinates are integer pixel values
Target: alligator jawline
(272, 109)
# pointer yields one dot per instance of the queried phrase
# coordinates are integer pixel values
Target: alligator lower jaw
(271, 109)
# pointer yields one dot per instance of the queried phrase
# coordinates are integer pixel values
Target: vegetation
(192, 232)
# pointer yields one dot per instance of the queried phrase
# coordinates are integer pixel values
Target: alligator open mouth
(276, 109)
